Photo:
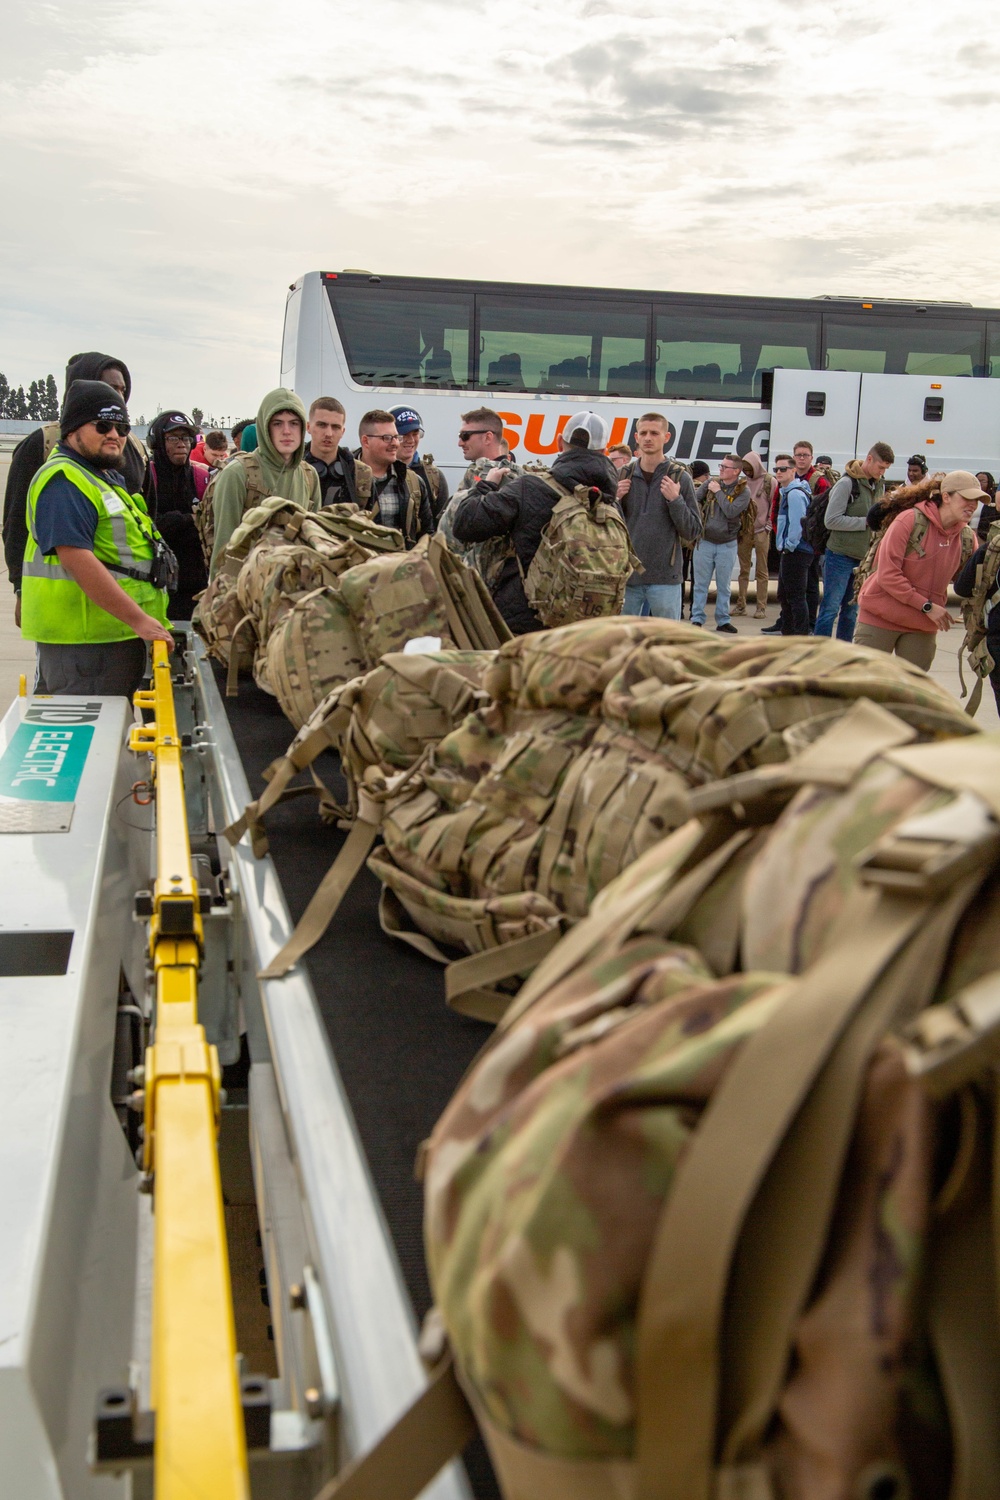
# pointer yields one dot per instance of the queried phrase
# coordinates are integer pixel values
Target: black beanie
(90, 401)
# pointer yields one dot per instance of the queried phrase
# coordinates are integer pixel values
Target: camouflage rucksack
(975, 612)
(584, 558)
(584, 758)
(914, 547)
(311, 650)
(722, 1227)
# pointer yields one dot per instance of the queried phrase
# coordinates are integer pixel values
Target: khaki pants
(759, 543)
(916, 646)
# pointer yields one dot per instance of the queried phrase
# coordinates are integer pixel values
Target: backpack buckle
(930, 851)
(948, 1045)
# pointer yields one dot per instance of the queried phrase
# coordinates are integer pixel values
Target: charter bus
(537, 353)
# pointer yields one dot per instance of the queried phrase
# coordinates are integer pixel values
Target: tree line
(40, 403)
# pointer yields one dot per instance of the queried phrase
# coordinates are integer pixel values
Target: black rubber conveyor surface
(399, 1049)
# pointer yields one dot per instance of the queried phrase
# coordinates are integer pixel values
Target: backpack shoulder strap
(362, 483)
(255, 479)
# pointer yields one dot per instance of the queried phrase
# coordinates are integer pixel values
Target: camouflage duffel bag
(382, 721)
(270, 582)
(526, 798)
(701, 1232)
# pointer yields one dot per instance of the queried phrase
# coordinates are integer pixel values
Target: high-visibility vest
(54, 608)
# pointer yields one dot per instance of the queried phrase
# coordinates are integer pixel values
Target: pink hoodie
(892, 598)
(763, 488)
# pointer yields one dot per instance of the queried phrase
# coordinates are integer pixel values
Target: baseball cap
(961, 482)
(174, 421)
(407, 420)
(595, 427)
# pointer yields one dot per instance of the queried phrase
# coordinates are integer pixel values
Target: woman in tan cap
(902, 604)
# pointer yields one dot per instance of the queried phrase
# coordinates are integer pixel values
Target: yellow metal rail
(200, 1446)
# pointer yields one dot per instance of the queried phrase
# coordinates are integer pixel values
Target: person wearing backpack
(173, 486)
(848, 537)
(902, 604)
(521, 508)
(658, 502)
(275, 467)
(723, 502)
(795, 570)
(978, 582)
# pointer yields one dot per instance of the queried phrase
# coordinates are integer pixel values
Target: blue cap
(407, 420)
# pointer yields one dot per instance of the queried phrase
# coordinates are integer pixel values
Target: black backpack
(814, 527)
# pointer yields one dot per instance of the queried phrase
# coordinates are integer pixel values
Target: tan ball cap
(961, 482)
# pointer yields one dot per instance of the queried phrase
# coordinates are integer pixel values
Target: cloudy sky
(168, 170)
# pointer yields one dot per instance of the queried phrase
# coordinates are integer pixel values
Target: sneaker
(697, 624)
(772, 630)
(728, 629)
(760, 614)
(740, 607)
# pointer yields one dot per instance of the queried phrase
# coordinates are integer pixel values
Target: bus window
(403, 338)
(904, 346)
(993, 337)
(562, 345)
(723, 355)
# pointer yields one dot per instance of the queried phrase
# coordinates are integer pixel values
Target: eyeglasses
(122, 428)
(463, 437)
(386, 437)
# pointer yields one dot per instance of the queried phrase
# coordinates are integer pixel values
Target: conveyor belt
(400, 1050)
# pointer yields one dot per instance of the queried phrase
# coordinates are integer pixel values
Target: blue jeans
(838, 590)
(718, 558)
(660, 599)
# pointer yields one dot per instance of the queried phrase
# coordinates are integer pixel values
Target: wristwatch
(926, 608)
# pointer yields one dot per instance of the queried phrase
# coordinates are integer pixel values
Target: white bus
(537, 353)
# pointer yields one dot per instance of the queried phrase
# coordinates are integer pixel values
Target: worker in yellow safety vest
(96, 571)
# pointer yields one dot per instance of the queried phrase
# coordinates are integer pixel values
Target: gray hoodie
(723, 509)
(656, 525)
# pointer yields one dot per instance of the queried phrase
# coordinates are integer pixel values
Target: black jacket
(520, 508)
(337, 484)
(27, 458)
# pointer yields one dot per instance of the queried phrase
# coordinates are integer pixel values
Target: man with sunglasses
(398, 497)
(88, 596)
(483, 447)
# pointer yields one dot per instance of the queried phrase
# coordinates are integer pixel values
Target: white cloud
(167, 175)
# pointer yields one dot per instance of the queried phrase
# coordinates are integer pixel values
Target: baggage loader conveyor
(119, 926)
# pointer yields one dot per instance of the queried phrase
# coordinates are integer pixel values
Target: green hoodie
(293, 481)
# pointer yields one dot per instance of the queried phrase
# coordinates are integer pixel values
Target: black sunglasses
(463, 437)
(122, 428)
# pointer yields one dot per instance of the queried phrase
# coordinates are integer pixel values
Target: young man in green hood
(275, 467)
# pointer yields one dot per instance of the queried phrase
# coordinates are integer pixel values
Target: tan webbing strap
(438, 563)
(430, 1432)
(392, 916)
(785, 1232)
(976, 697)
(323, 907)
(280, 772)
(864, 732)
(468, 982)
(684, 1289)
(233, 671)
